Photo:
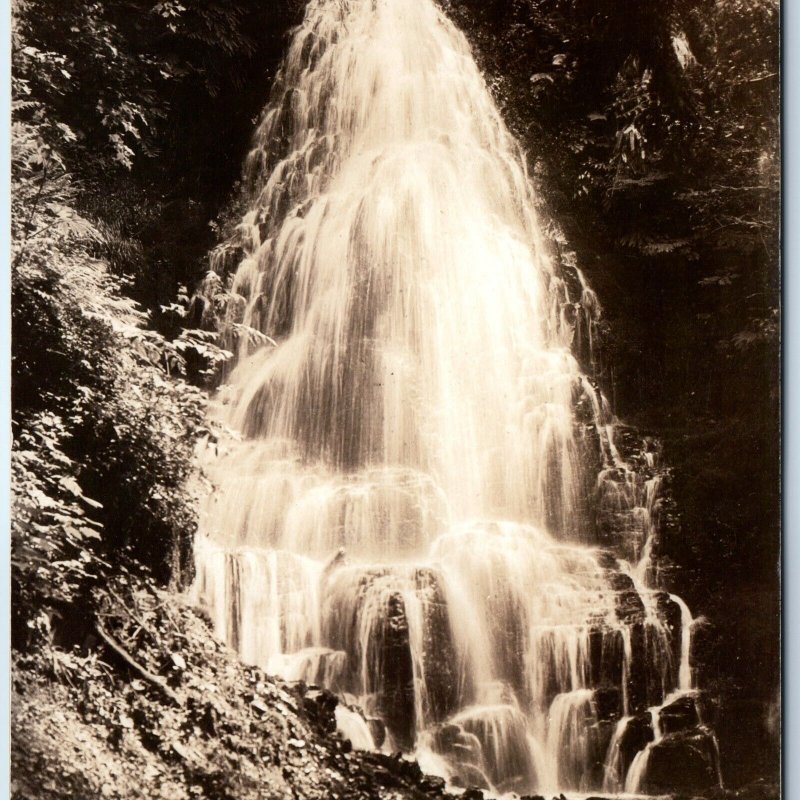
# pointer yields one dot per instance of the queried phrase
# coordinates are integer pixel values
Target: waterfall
(407, 510)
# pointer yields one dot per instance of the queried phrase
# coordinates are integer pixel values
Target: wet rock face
(441, 674)
(661, 671)
(685, 761)
(652, 671)
(679, 715)
(630, 608)
(637, 677)
(607, 657)
(397, 694)
(599, 738)
(506, 754)
(403, 658)
(377, 730)
(708, 709)
(638, 734)
(510, 643)
(669, 612)
(463, 752)
(608, 703)
(629, 496)
(382, 663)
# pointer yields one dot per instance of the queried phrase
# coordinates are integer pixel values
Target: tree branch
(121, 652)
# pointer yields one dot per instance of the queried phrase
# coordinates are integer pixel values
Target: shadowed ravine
(428, 511)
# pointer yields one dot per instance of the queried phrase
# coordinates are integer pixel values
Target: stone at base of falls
(685, 761)
(463, 752)
(377, 729)
(396, 772)
(432, 783)
(320, 705)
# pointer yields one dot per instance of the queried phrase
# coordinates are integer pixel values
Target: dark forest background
(652, 131)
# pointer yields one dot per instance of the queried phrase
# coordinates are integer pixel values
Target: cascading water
(406, 517)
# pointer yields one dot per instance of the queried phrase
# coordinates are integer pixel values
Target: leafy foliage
(105, 68)
(112, 193)
(103, 437)
(150, 104)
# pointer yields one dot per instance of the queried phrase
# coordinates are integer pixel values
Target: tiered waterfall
(409, 514)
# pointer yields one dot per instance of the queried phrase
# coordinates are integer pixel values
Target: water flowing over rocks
(428, 506)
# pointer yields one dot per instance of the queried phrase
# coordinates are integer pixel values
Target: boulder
(432, 785)
(638, 734)
(682, 762)
(320, 706)
(679, 715)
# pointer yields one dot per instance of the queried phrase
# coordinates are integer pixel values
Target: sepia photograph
(395, 399)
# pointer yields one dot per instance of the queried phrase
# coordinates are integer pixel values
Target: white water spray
(407, 518)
